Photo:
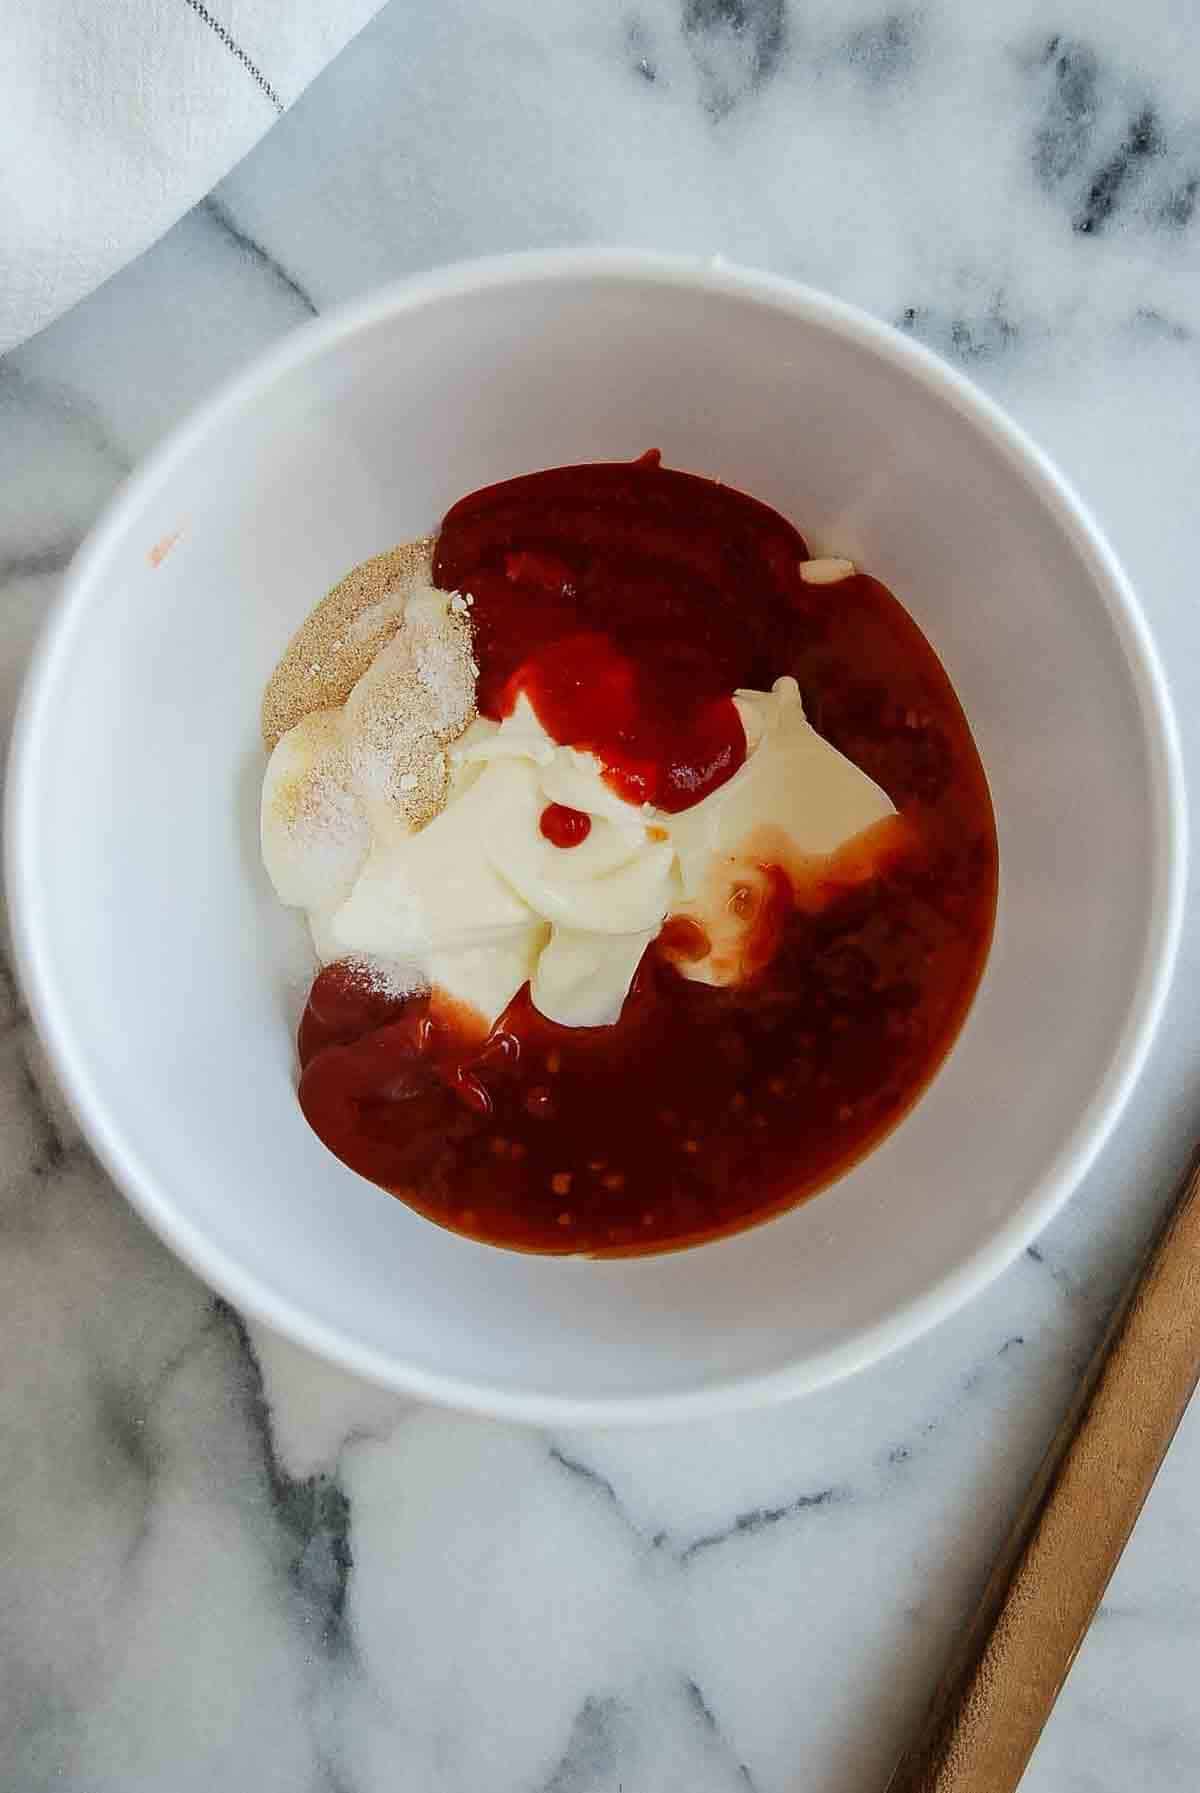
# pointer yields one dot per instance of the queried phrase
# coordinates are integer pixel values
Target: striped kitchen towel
(116, 116)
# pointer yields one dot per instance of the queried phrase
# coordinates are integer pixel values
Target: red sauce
(629, 601)
(563, 826)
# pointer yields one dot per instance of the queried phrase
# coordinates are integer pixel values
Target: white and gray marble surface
(223, 1564)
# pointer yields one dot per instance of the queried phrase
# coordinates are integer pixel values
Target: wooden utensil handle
(990, 1708)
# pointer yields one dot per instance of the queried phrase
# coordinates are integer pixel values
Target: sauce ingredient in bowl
(704, 895)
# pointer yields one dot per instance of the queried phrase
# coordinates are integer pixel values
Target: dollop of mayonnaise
(485, 902)
(477, 901)
(794, 802)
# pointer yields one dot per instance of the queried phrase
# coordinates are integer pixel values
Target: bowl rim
(50, 1005)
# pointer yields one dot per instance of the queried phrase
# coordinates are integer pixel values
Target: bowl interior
(168, 979)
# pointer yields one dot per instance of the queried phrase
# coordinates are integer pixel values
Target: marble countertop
(224, 1564)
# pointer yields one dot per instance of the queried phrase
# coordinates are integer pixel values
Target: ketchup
(628, 602)
(563, 826)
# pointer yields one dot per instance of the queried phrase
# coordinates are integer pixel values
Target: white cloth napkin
(116, 116)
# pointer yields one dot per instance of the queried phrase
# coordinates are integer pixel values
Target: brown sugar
(337, 643)
(385, 662)
(417, 697)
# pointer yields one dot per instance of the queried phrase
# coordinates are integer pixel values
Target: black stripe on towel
(235, 49)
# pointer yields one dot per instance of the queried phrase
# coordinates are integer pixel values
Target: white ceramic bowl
(164, 977)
